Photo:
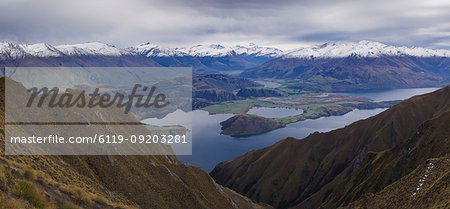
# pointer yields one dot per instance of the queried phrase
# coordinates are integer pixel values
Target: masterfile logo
(105, 100)
(97, 111)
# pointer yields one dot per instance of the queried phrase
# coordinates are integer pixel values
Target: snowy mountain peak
(142, 48)
(41, 50)
(253, 49)
(14, 51)
(91, 48)
(362, 49)
(11, 51)
(150, 50)
(214, 50)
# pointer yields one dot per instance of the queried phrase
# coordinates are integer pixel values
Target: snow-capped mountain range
(363, 49)
(14, 51)
(327, 50)
(213, 50)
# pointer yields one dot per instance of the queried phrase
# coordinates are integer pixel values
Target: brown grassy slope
(430, 140)
(111, 181)
(433, 180)
(334, 168)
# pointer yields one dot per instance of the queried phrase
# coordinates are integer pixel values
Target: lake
(210, 148)
(389, 95)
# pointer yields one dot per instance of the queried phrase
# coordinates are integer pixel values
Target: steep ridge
(107, 181)
(327, 170)
(427, 186)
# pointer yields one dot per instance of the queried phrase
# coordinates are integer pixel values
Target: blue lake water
(232, 72)
(210, 148)
(389, 95)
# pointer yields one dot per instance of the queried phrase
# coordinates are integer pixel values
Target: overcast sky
(280, 23)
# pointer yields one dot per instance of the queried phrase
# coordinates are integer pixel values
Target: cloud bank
(282, 23)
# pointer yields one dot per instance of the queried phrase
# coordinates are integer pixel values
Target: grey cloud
(180, 22)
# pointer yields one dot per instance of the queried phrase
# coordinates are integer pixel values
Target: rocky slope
(328, 170)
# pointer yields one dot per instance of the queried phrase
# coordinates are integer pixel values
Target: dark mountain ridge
(212, 64)
(356, 72)
(199, 64)
(212, 88)
(328, 170)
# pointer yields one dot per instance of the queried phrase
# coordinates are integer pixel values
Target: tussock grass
(26, 190)
(30, 174)
(77, 193)
(70, 206)
(10, 202)
(3, 179)
(99, 199)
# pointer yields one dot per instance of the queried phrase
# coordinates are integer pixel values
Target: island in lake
(311, 106)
